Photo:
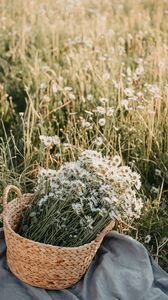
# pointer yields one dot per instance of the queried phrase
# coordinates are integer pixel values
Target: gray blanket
(122, 269)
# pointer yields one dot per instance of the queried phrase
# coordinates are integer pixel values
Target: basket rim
(6, 223)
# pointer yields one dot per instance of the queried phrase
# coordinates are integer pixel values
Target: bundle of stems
(73, 205)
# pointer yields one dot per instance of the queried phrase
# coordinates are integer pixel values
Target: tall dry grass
(57, 60)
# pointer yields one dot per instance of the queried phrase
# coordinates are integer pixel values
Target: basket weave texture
(43, 265)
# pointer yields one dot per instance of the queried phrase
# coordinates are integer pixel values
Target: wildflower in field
(67, 145)
(139, 60)
(50, 141)
(157, 172)
(103, 100)
(154, 190)
(117, 85)
(125, 103)
(46, 98)
(88, 43)
(55, 88)
(129, 92)
(106, 76)
(101, 110)
(43, 86)
(139, 70)
(74, 75)
(110, 111)
(147, 239)
(85, 124)
(98, 141)
(121, 50)
(102, 121)
(153, 89)
(71, 96)
(90, 97)
(140, 94)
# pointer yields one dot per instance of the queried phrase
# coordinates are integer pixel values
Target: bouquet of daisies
(74, 204)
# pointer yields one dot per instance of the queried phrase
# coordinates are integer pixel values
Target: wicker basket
(41, 265)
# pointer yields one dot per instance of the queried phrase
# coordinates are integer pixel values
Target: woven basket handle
(106, 230)
(7, 190)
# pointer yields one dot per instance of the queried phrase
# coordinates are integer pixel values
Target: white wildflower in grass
(49, 141)
(85, 124)
(67, 145)
(102, 122)
(129, 81)
(98, 141)
(71, 96)
(103, 100)
(110, 111)
(43, 86)
(46, 98)
(153, 89)
(154, 190)
(117, 85)
(157, 172)
(106, 76)
(139, 70)
(135, 77)
(133, 98)
(77, 201)
(147, 239)
(140, 94)
(129, 92)
(139, 60)
(90, 97)
(101, 110)
(55, 88)
(125, 103)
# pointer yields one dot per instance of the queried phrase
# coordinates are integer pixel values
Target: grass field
(95, 73)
